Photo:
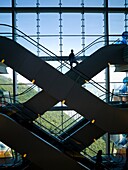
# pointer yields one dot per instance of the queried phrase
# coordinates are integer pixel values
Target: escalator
(98, 61)
(45, 75)
(68, 148)
(36, 149)
(63, 88)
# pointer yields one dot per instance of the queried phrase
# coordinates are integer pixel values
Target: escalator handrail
(75, 70)
(28, 37)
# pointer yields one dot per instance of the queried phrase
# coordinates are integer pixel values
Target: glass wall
(61, 25)
(61, 29)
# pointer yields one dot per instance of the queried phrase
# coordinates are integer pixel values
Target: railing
(66, 66)
(57, 129)
(109, 161)
(43, 123)
(45, 50)
(106, 162)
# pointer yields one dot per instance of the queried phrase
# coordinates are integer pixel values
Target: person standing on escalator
(98, 165)
(72, 59)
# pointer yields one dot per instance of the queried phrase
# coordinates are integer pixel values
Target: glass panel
(51, 43)
(71, 24)
(28, 27)
(78, 3)
(116, 26)
(5, 19)
(91, 3)
(24, 3)
(51, 25)
(116, 3)
(94, 30)
(94, 24)
(49, 32)
(6, 3)
(46, 3)
(72, 33)
(93, 43)
(71, 3)
(27, 23)
(71, 43)
(116, 23)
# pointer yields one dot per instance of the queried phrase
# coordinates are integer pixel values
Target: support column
(38, 29)
(83, 28)
(61, 51)
(126, 16)
(14, 39)
(107, 71)
(38, 33)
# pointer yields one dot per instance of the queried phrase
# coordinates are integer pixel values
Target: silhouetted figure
(98, 165)
(72, 59)
(124, 38)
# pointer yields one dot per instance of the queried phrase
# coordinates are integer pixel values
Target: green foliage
(99, 144)
(6, 84)
(25, 92)
(55, 121)
(96, 146)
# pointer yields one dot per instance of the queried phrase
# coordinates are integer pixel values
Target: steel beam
(63, 10)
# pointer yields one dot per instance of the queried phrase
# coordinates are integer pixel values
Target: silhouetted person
(124, 38)
(98, 165)
(72, 59)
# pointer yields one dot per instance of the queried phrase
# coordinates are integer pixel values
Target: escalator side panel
(40, 103)
(87, 136)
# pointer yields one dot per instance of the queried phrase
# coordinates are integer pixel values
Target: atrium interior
(55, 114)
